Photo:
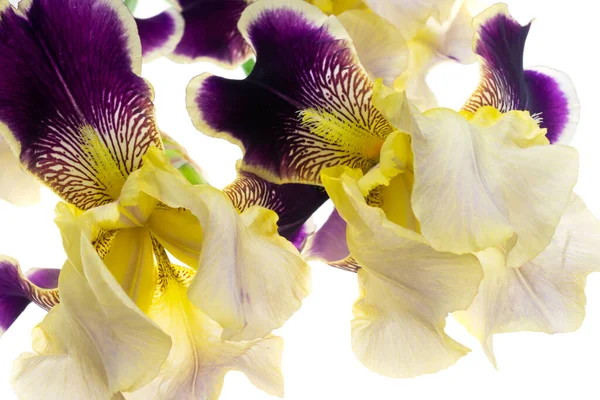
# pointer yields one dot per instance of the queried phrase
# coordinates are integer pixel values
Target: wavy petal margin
(305, 106)
(211, 33)
(75, 111)
(160, 34)
(547, 94)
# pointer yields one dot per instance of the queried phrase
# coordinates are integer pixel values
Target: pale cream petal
(407, 288)
(380, 46)
(546, 294)
(16, 186)
(476, 186)
(411, 15)
(249, 279)
(93, 345)
(199, 359)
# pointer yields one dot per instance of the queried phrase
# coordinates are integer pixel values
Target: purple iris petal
(547, 94)
(74, 109)
(294, 203)
(211, 32)
(159, 34)
(328, 244)
(17, 291)
(302, 65)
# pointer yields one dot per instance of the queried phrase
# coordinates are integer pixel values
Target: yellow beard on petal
(353, 136)
(105, 168)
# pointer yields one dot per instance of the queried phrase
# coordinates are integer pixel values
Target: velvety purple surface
(46, 278)
(547, 99)
(329, 242)
(155, 31)
(506, 86)
(299, 66)
(13, 295)
(211, 31)
(63, 68)
(294, 203)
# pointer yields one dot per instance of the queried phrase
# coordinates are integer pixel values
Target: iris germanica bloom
(82, 121)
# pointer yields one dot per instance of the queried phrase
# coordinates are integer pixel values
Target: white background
(318, 361)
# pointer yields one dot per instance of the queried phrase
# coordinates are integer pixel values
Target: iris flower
(171, 256)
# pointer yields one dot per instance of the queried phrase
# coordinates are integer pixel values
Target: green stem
(248, 66)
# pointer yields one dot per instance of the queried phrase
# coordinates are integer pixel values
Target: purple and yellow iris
(76, 113)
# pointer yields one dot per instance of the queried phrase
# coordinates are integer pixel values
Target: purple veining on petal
(68, 87)
(293, 203)
(17, 291)
(211, 32)
(547, 94)
(328, 244)
(300, 66)
(157, 32)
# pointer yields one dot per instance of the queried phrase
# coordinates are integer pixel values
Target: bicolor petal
(380, 46)
(249, 279)
(545, 294)
(305, 106)
(95, 344)
(406, 287)
(211, 33)
(501, 185)
(199, 358)
(548, 95)
(75, 112)
(160, 34)
(18, 290)
(16, 186)
(294, 203)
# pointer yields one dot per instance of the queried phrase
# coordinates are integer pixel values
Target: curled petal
(211, 33)
(18, 290)
(501, 185)
(379, 44)
(548, 95)
(546, 294)
(199, 358)
(306, 104)
(16, 186)
(93, 345)
(410, 16)
(294, 203)
(406, 287)
(75, 112)
(160, 34)
(249, 279)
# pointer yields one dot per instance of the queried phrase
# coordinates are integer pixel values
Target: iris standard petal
(380, 46)
(406, 287)
(306, 104)
(499, 186)
(549, 95)
(411, 15)
(160, 34)
(545, 294)
(199, 359)
(18, 290)
(72, 106)
(294, 203)
(93, 345)
(211, 33)
(16, 186)
(249, 279)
